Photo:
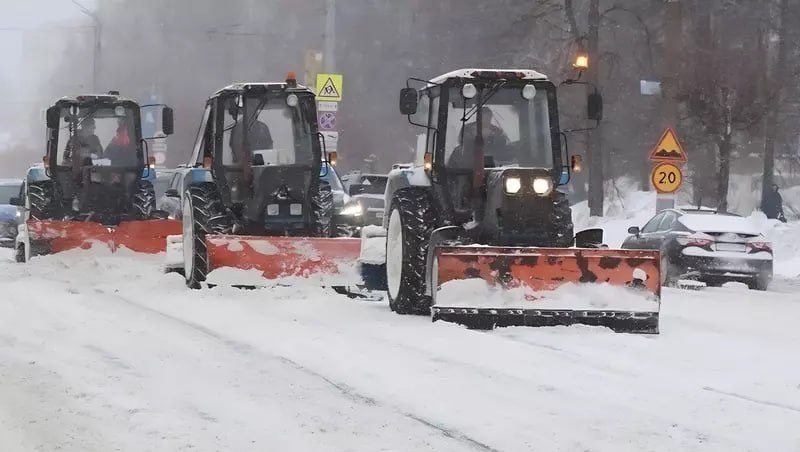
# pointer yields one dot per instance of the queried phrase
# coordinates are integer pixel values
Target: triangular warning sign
(668, 149)
(329, 89)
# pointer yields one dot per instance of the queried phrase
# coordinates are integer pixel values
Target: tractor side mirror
(634, 230)
(172, 193)
(576, 163)
(167, 121)
(594, 106)
(53, 118)
(408, 101)
(15, 201)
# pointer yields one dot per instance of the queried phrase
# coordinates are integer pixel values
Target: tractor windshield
(274, 133)
(98, 135)
(516, 130)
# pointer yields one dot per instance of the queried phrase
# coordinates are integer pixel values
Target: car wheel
(760, 282)
(669, 272)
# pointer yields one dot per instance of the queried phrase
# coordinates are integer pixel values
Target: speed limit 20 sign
(666, 177)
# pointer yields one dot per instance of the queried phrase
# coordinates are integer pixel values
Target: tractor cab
(97, 158)
(492, 145)
(261, 142)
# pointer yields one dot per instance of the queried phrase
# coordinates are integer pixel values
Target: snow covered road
(103, 353)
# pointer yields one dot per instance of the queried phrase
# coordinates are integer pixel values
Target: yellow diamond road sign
(329, 87)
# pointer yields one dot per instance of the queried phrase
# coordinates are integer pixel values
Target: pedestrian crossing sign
(329, 87)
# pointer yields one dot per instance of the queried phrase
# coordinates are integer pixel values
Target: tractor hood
(520, 204)
(518, 182)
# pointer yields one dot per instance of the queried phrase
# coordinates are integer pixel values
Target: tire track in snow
(752, 400)
(344, 389)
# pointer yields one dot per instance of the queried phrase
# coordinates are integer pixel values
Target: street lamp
(98, 29)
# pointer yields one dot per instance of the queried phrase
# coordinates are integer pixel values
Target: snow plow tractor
(255, 210)
(477, 232)
(96, 188)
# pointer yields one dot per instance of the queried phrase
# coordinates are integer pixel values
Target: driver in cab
(495, 141)
(84, 143)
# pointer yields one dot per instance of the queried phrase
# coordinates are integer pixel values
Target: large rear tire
(412, 219)
(41, 196)
(144, 200)
(322, 215)
(203, 213)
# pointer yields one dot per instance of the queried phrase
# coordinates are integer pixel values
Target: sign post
(667, 177)
(329, 93)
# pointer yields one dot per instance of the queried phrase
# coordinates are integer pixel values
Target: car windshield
(279, 134)
(105, 134)
(375, 185)
(516, 131)
(8, 191)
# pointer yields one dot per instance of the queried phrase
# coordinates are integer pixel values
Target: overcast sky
(30, 14)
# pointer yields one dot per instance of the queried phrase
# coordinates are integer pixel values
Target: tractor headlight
(513, 185)
(542, 186)
(273, 209)
(295, 209)
(352, 210)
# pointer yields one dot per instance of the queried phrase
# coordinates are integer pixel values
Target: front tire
(411, 222)
(203, 214)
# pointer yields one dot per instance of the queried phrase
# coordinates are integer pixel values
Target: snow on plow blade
(327, 261)
(144, 236)
(486, 287)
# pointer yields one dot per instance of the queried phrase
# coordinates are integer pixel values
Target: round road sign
(666, 177)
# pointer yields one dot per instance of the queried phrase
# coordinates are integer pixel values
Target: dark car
(367, 200)
(9, 188)
(705, 245)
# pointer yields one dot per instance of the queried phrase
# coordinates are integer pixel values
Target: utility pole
(671, 69)
(98, 38)
(775, 88)
(329, 58)
(594, 144)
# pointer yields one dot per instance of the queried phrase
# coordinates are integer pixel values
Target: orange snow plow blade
(333, 261)
(145, 236)
(486, 287)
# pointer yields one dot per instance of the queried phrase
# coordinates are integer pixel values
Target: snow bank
(477, 293)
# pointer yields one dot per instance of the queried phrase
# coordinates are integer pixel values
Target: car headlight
(513, 185)
(542, 186)
(352, 210)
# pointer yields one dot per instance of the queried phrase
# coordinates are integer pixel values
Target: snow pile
(373, 245)
(785, 239)
(477, 293)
